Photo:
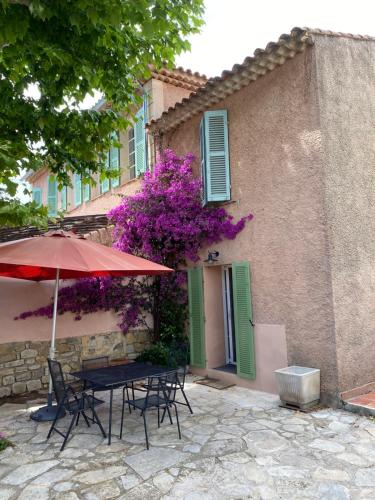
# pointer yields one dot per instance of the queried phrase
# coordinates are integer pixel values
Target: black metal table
(112, 377)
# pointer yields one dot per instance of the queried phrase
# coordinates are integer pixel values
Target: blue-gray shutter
(114, 159)
(217, 155)
(37, 196)
(104, 185)
(203, 161)
(77, 189)
(52, 196)
(140, 140)
(64, 198)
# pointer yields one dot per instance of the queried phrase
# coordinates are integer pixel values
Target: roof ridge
(339, 34)
(263, 60)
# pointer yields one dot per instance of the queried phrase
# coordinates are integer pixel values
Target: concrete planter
(299, 386)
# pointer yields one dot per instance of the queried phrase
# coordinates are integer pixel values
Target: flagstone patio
(238, 444)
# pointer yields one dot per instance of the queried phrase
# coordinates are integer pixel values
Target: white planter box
(298, 386)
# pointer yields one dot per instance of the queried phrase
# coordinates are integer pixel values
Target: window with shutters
(52, 196)
(112, 162)
(64, 198)
(131, 149)
(37, 196)
(214, 152)
(77, 189)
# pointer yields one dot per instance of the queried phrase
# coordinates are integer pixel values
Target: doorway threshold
(228, 368)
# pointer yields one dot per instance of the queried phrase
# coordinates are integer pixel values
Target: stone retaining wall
(23, 365)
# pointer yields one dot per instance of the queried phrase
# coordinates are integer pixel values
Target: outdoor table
(112, 377)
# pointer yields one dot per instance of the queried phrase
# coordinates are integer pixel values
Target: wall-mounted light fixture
(212, 256)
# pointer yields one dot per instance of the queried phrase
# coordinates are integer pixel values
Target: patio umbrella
(62, 254)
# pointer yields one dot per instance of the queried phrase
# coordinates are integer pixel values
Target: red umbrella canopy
(38, 258)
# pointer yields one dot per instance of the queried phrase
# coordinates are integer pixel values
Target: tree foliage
(165, 222)
(65, 50)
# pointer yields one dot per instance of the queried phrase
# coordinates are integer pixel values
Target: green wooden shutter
(203, 162)
(77, 189)
(37, 196)
(64, 198)
(217, 155)
(196, 318)
(243, 320)
(104, 185)
(52, 196)
(140, 143)
(114, 161)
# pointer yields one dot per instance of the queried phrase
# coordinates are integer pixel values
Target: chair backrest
(92, 363)
(178, 358)
(169, 384)
(58, 382)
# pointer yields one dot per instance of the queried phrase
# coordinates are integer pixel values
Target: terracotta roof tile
(263, 61)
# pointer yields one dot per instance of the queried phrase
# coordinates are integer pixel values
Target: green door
(196, 318)
(243, 318)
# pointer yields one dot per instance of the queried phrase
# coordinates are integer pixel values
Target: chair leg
(78, 419)
(127, 395)
(162, 417)
(178, 422)
(75, 415)
(169, 414)
(187, 401)
(145, 426)
(158, 417)
(122, 413)
(60, 407)
(98, 421)
(86, 418)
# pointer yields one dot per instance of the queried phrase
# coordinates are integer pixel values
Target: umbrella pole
(48, 413)
(53, 339)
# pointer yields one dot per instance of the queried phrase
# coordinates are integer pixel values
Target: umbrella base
(46, 413)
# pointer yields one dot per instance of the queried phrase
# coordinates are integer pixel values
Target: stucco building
(289, 137)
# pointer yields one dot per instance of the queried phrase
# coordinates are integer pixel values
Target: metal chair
(160, 395)
(178, 357)
(72, 402)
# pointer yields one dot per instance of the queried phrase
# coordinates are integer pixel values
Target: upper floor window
(82, 191)
(131, 148)
(140, 139)
(52, 196)
(112, 162)
(37, 196)
(64, 198)
(77, 189)
(214, 153)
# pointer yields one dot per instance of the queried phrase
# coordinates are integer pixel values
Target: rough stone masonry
(23, 365)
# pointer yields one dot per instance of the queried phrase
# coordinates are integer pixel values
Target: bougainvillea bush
(166, 223)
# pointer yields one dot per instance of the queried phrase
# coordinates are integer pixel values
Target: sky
(235, 28)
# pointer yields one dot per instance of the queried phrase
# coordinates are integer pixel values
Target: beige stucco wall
(276, 160)
(17, 296)
(346, 76)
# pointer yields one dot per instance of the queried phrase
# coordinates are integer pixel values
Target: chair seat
(83, 403)
(150, 402)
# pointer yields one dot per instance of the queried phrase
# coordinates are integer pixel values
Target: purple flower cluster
(164, 222)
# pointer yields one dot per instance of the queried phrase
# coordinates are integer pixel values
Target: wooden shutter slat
(243, 320)
(196, 317)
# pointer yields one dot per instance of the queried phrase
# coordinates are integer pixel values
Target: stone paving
(238, 444)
